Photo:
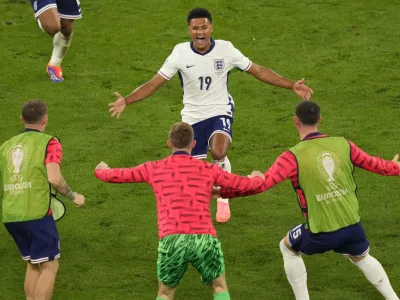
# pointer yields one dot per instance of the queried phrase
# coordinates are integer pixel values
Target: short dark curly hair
(199, 13)
(308, 112)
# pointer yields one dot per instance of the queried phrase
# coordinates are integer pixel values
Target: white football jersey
(204, 78)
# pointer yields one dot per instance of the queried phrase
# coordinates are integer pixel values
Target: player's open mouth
(201, 40)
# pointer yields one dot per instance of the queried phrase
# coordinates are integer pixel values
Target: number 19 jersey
(204, 78)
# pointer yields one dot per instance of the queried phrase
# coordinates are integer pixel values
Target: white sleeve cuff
(163, 75)
(248, 67)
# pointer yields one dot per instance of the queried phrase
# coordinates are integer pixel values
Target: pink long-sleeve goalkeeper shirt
(183, 187)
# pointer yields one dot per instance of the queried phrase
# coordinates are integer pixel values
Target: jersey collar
(314, 135)
(180, 153)
(30, 129)
(202, 54)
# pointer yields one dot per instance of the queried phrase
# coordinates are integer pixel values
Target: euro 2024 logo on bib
(329, 166)
(17, 158)
(219, 65)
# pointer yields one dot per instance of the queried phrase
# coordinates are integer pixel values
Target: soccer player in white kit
(203, 67)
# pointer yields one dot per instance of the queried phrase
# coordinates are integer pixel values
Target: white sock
(295, 271)
(375, 274)
(225, 164)
(60, 47)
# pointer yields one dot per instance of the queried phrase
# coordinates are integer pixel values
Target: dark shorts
(67, 9)
(204, 130)
(350, 240)
(37, 241)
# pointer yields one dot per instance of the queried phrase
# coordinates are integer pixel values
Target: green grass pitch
(348, 51)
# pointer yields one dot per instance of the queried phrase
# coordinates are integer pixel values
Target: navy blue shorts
(350, 240)
(204, 130)
(38, 240)
(67, 9)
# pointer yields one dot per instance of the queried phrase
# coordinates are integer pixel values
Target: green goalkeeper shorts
(177, 251)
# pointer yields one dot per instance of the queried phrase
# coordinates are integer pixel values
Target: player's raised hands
(396, 159)
(102, 166)
(118, 106)
(302, 90)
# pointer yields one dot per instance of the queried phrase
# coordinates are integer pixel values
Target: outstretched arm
(167, 71)
(238, 183)
(141, 93)
(145, 90)
(123, 175)
(283, 168)
(268, 76)
(374, 164)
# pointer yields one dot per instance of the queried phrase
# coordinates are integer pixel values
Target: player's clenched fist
(102, 166)
(118, 106)
(79, 200)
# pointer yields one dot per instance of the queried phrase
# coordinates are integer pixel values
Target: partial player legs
(220, 288)
(223, 209)
(375, 274)
(165, 292)
(45, 285)
(295, 270)
(56, 18)
(31, 280)
(61, 43)
(219, 145)
(49, 21)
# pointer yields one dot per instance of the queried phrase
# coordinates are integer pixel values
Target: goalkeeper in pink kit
(183, 187)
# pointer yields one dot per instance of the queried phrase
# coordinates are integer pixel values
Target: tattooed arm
(58, 182)
(54, 176)
(60, 185)
(63, 188)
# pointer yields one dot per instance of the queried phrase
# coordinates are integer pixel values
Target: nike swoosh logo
(187, 66)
